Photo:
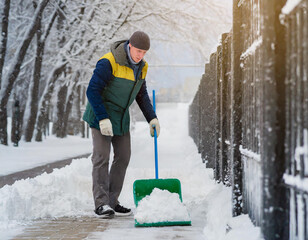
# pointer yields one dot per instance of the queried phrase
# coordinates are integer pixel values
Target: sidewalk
(88, 227)
(64, 228)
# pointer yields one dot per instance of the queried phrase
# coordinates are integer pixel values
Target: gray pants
(107, 185)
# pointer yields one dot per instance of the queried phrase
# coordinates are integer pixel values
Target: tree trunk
(15, 69)
(34, 87)
(34, 90)
(43, 114)
(79, 122)
(68, 107)
(16, 123)
(4, 33)
(58, 125)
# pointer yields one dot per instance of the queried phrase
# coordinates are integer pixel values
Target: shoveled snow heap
(161, 206)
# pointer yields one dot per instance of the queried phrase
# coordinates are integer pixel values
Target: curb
(33, 172)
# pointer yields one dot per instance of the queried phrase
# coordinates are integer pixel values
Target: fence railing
(249, 117)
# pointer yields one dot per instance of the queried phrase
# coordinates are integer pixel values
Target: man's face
(136, 53)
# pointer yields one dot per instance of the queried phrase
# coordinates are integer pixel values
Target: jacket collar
(118, 49)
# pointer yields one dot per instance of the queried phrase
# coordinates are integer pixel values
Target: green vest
(118, 95)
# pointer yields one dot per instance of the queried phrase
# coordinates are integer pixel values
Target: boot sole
(123, 214)
(107, 215)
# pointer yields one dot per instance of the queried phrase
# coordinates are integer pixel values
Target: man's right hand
(106, 127)
(154, 123)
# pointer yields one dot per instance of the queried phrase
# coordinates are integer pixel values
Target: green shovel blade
(144, 187)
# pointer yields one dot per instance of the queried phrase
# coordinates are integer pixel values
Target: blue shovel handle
(155, 140)
(156, 154)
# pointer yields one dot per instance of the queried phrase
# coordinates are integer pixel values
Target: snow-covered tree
(9, 79)
(67, 37)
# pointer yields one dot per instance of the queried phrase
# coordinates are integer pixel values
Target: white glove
(154, 122)
(106, 127)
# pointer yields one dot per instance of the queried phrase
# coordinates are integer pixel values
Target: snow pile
(64, 192)
(161, 206)
(241, 228)
(220, 225)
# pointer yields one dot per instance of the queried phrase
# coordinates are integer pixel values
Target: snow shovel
(144, 187)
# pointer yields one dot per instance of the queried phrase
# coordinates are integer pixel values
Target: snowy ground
(34, 154)
(67, 191)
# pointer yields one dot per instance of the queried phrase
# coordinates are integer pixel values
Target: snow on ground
(34, 154)
(67, 191)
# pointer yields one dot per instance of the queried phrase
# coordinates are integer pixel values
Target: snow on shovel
(159, 201)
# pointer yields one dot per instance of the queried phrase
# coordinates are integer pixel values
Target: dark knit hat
(140, 40)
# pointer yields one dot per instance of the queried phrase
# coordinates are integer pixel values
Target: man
(118, 79)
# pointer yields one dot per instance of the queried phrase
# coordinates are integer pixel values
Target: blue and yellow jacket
(113, 88)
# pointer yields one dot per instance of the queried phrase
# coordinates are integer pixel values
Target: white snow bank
(64, 192)
(220, 225)
(161, 206)
(241, 228)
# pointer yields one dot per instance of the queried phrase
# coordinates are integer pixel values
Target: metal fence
(249, 117)
(296, 140)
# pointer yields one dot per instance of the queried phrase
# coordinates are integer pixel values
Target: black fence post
(217, 170)
(274, 224)
(204, 122)
(212, 85)
(236, 111)
(224, 110)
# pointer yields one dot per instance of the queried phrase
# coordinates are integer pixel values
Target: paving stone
(63, 228)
